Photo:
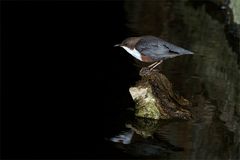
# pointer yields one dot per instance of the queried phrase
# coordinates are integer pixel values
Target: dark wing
(159, 49)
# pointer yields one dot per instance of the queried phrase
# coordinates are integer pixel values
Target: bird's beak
(117, 45)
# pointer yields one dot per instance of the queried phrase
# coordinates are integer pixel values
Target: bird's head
(129, 42)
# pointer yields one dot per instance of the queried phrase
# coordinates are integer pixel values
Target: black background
(63, 83)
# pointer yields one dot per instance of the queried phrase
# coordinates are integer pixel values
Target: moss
(147, 107)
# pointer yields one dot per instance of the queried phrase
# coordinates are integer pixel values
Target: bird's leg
(154, 65)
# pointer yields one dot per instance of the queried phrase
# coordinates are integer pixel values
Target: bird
(151, 49)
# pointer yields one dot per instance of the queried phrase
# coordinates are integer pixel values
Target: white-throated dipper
(151, 49)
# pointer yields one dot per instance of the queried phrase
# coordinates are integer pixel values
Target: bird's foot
(145, 71)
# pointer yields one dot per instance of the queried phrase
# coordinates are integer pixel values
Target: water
(210, 79)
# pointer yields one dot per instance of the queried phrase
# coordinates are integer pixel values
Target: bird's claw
(145, 71)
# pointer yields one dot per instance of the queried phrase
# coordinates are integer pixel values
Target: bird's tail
(188, 52)
(184, 51)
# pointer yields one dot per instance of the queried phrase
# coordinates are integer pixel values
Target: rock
(235, 6)
(155, 98)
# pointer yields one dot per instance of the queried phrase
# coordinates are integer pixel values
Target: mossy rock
(155, 99)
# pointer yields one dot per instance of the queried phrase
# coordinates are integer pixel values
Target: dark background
(64, 87)
(63, 82)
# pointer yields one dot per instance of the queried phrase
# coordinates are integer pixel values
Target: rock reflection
(148, 140)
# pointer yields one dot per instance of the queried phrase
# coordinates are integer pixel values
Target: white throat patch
(133, 52)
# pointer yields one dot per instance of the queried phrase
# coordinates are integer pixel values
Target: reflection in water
(211, 78)
(148, 138)
(124, 137)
